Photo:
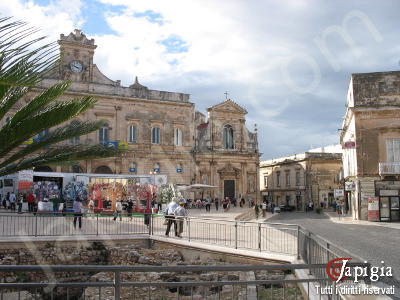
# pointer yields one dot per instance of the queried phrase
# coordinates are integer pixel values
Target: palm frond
(23, 64)
(14, 134)
(67, 132)
(64, 154)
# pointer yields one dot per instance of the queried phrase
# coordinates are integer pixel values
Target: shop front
(389, 200)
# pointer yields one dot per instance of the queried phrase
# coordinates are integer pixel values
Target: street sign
(339, 193)
(133, 170)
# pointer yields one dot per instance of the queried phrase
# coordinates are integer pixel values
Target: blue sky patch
(174, 44)
(150, 16)
(94, 15)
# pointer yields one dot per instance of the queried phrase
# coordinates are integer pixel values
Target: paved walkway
(218, 214)
(334, 217)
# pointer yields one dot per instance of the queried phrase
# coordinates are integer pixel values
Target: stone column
(243, 179)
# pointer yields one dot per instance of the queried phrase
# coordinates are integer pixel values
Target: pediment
(229, 170)
(228, 106)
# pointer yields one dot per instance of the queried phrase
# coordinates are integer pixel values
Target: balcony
(389, 168)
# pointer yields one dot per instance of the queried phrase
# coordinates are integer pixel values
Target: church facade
(162, 131)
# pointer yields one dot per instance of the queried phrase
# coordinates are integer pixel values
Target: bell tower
(76, 56)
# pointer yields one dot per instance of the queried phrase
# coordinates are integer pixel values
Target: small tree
(22, 66)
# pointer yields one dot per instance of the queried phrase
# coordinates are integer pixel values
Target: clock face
(76, 66)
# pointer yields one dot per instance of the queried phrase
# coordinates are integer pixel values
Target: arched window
(43, 169)
(155, 135)
(76, 169)
(228, 137)
(103, 170)
(103, 134)
(75, 140)
(178, 137)
(132, 134)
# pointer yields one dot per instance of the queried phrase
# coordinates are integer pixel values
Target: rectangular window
(155, 135)
(297, 178)
(178, 137)
(278, 178)
(103, 135)
(393, 150)
(266, 181)
(132, 134)
(287, 175)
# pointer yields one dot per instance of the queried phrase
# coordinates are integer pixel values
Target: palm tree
(23, 63)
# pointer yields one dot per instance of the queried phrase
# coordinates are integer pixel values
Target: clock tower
(76, 57)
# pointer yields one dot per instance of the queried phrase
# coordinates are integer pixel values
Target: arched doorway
(43, 169)
(76, 169)
(103, 170)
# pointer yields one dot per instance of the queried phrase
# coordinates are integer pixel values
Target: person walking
(77, 207)
(225, 204)
(91, 208)
(216, 201)
(12, 200)
(118, 210)
(159, 205)
(272, 207)
(20, 202)
(31, 200)
(129, 209)
(180, 215)
(208, 204)
(170, 217)
(264, 209)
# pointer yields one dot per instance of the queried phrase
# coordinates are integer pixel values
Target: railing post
(148, 217)
(152, 224)
(298, 242)
(188, 226)
(327, 252)
(259, 236)
(236, 234)
(309, 252)
(117, 285)
(97, 224)
(36, 224)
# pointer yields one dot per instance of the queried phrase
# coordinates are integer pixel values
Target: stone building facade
(298, 179)
(370, 137)
(226, 152)
(161, 130)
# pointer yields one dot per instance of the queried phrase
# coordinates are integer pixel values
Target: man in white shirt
(170, 217)
(12, 200)
(118, 210)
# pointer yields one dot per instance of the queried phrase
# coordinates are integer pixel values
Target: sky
(287, 62)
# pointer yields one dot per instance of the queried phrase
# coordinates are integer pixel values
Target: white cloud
(58, 17)
(232, 45)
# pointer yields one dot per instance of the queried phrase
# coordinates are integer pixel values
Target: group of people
(226, 203)
(10, 201)
(175, 214)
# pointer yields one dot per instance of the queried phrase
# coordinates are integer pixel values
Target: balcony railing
(389, 168)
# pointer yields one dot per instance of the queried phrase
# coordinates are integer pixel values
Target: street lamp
(153, 178)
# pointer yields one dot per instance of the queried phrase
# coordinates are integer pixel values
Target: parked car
(286, 207)
(277, 209)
